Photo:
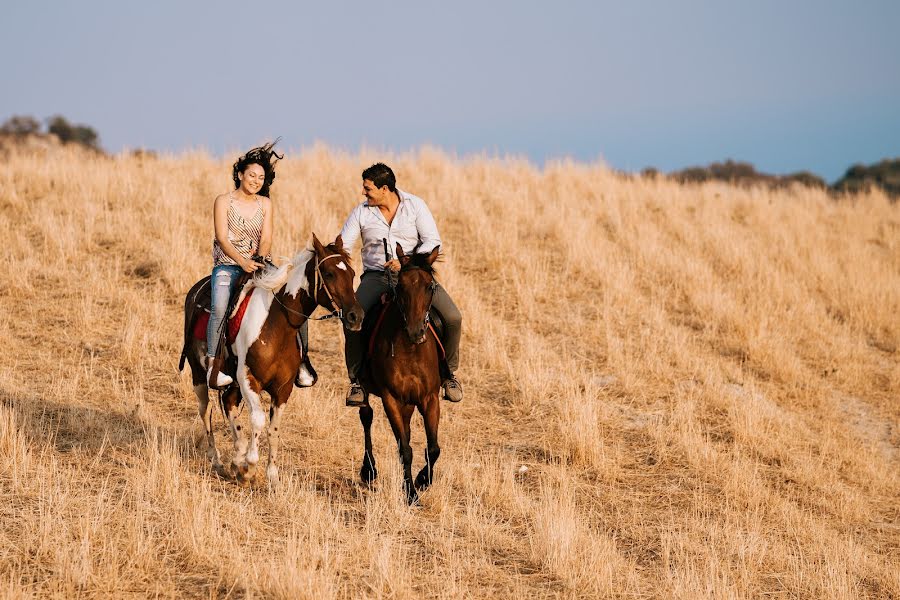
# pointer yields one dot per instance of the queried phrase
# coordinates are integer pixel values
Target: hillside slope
(672, 391)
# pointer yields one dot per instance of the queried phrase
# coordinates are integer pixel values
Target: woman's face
(252, 179)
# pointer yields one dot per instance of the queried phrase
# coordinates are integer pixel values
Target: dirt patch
(874, 430)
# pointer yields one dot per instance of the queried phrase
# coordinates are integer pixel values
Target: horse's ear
(434, 255)
(401, 256)
(317, 245)
(339, 243)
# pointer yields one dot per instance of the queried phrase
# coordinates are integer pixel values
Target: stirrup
(357, 395)
(221, 382)
(453, 390)
(306, 374)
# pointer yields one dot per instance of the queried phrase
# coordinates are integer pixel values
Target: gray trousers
(371, 286)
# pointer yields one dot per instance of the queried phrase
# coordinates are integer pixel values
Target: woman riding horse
(242, 222)
(265, 347)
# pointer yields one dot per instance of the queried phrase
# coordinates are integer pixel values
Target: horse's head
(415, 291)
(335, 288)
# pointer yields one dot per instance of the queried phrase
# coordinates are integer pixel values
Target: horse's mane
(420, 261)
(291, 275)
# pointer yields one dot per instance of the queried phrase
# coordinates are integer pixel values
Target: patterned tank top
(244, 234)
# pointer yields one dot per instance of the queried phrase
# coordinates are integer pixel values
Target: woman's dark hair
(381, 175)
(261, 156)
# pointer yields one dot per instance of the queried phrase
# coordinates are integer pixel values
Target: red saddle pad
(234, 323)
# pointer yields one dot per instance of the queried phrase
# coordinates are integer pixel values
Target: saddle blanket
(234, 323)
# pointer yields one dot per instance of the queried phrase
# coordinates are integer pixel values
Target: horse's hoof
(423, 481)
(412, 496)
(368, 475)
(239, 471)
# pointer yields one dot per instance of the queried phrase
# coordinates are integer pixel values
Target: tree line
(884, 174)
(22, 126)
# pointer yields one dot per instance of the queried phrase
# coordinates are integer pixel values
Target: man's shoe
(215, 378)
(453, 390)
(357, 396)
(306, 375)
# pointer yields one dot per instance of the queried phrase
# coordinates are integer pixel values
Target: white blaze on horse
(265, 353)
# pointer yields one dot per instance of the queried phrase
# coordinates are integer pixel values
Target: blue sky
(787, 85)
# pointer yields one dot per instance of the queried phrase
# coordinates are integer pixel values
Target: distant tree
(76, 134)
(730, 171)
(804, 178)
(742, 173)
(884, 174)
(21, 126)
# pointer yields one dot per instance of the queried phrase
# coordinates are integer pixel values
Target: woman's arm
(265, 240)
(220, 221)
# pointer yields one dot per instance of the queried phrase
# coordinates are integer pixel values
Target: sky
(787, 85)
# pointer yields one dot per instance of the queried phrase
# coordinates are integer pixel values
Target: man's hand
(393, 265)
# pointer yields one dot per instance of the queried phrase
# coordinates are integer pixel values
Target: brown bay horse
(404, 371)
(266, 349)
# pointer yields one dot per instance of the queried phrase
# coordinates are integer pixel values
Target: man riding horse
(394, 216)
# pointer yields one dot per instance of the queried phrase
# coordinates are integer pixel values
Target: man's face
(375, 196)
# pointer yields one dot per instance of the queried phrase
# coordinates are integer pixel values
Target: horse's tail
(191, 307)
(188, 324)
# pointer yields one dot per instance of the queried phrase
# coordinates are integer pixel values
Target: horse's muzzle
(416, 335)
(353, 318)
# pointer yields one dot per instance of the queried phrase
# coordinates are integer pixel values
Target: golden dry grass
(671, 392)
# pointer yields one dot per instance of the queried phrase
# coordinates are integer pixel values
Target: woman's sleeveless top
(244, 234)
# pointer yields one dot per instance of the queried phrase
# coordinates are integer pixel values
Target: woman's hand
(393, 265)
(248, 266)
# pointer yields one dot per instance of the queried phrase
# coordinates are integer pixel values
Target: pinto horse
(404, 370)
(266, 348)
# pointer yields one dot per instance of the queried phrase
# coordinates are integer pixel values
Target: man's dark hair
(381, 175)
(261, 156)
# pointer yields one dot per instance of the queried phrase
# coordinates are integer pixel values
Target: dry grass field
(671, 392)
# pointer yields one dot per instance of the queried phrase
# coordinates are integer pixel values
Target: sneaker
(356, 396)
(222, 380)
(453, 390)
(306, 375)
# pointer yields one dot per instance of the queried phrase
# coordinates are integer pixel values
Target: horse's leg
(207, 411)
(195, 353)
(398, 415)
(431, 415)
(250, 390)
(230, 400)
(368, 473)
(280, 395)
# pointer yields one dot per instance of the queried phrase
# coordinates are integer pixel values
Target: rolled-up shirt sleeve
(429, 237)
(350, 232)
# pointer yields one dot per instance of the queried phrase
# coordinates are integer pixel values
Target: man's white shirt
(413, 225)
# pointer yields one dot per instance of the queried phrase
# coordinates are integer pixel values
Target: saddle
(372, 324)
(237, 306)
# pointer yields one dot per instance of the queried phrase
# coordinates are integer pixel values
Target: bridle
(318, 284)
(432, 288)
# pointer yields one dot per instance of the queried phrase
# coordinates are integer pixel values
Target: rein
(318, 284)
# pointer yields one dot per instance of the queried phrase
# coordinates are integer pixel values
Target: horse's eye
(329, 275)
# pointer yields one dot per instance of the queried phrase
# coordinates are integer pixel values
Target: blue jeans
(224, 280)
